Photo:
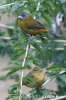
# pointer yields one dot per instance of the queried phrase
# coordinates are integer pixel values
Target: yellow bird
(34, 79)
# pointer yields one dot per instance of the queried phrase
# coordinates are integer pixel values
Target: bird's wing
(28, 80)
(35, 26)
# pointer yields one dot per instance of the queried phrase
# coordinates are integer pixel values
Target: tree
(40, 54)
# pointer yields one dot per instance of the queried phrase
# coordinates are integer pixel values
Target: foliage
(44, 48)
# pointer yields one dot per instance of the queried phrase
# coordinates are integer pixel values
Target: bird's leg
(29, 39)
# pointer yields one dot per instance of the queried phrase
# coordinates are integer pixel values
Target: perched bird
(30, 25)
(34, 79)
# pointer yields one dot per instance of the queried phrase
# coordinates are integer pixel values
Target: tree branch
(6, 26)
(6, 5)
(59, 98)
(5, 38)
(38, 6)
(26, 53)
(53, 77)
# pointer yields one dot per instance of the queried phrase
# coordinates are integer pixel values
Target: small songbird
(30, 25)
(34, 79)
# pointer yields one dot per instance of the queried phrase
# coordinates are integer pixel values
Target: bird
(29, 25)
(34, 78)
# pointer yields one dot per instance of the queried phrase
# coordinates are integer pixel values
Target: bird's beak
(20, 17)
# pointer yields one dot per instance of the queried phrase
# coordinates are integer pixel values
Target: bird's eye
(23, 15)
(35, 69)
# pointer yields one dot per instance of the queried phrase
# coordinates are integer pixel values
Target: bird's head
(23, 16)
(36, 69)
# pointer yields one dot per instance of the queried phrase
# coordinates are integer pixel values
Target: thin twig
(21, 91)
(5, 38)
(53, 77)
(6, 26)
(10, 4)
(50, 79)
(63, 41)
(59, 98)
(6, 5)
(38, 6)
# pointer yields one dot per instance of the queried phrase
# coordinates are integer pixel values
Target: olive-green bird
(34, 79)
(30, 25)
